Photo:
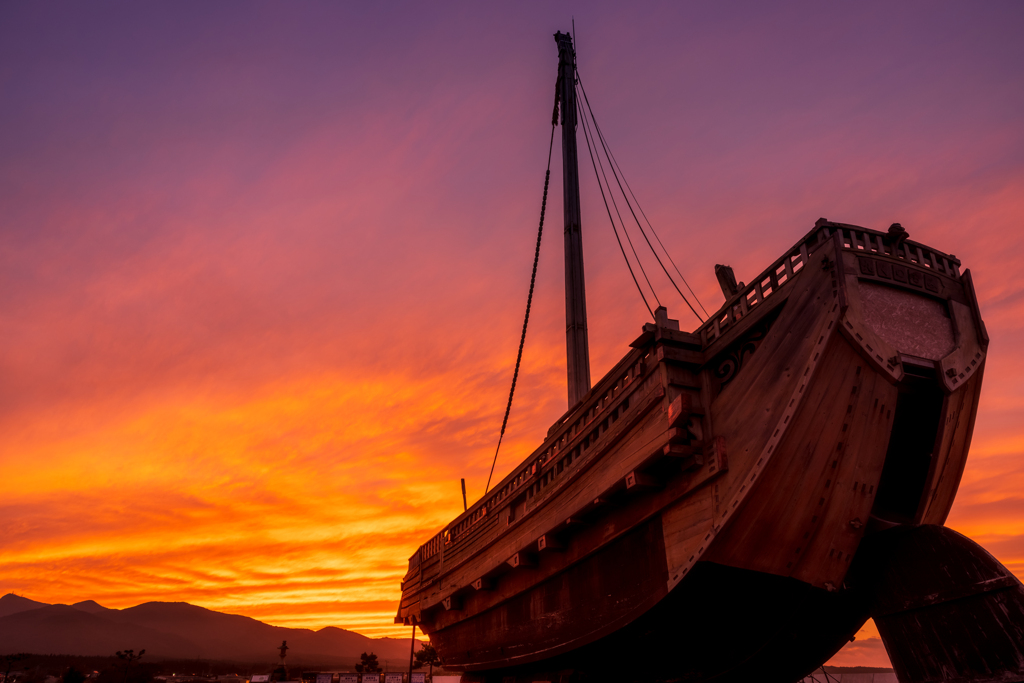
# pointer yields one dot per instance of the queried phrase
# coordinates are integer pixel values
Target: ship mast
(576, 344)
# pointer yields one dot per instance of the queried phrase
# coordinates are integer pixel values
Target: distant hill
(174, 630)
(90, 606)
(11, 603)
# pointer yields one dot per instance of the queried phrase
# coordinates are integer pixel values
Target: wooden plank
(638, 481)
(637, 411)
(960, 412)
(748, 411)
(767, 534)
(548, 542)
(541, 621)
(683, 406)
(671, 336)
(972, 300)
(457, 551)
(617, 520)
(589, 538)
(677, 355)
(686, 525)
(850, 481)
(964, 359)
(521, 559)
(569, 420)
(604, 475)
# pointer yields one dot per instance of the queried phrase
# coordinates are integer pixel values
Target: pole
(412, 648)
(576, 343)
(464, 505)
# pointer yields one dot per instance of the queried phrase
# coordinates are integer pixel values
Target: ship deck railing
(548, 462)
(593, 408)
(852, 237)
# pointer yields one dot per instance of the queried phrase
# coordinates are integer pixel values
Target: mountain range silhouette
(175, 630)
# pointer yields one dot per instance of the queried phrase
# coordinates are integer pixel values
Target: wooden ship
(696, 513)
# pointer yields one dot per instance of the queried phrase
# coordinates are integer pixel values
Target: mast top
(566, 58)
(576, 342)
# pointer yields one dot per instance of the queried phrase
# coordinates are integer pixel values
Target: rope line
(619, 181)
(655, 233)
(588, 135)
(682, 277)
(628, 204)
(529, 299)
(600, 136)
(612, 221)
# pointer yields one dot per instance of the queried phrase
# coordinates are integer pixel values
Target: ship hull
(721, 623)
(706, 527)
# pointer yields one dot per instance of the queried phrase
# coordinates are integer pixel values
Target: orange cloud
(262, 294)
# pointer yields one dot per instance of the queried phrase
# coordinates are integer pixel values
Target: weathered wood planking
(685, 526)
(588, 600)
(427, 567)
(754, 411)
(603, 474)
(960, 410)
(798, 523)
(849, 468)
(946, 609)
(757, 443)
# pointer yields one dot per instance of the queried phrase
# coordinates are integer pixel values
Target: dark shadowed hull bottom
(720, 623)
(946, 609)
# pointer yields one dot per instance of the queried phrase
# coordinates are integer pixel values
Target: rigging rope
(598, 164)
(600, 136)
(529, 298)
(643, 232)
(654, 232)
(614, 228)
(618, 213)
(616, 172)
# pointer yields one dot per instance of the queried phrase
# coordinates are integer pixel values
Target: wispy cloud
(264, 272)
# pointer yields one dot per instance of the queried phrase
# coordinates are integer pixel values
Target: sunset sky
(263, 266)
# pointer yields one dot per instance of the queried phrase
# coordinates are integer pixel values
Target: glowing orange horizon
(264, 275)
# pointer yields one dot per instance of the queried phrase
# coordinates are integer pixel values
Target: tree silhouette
(368, 664)
(129, 657)
(10, 660)
(427, 655)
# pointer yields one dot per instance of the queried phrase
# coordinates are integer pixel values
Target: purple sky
(279, 252)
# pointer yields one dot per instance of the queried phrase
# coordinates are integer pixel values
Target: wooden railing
(431, 547)
(765, 285)
(854, 238)
(542, 467)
